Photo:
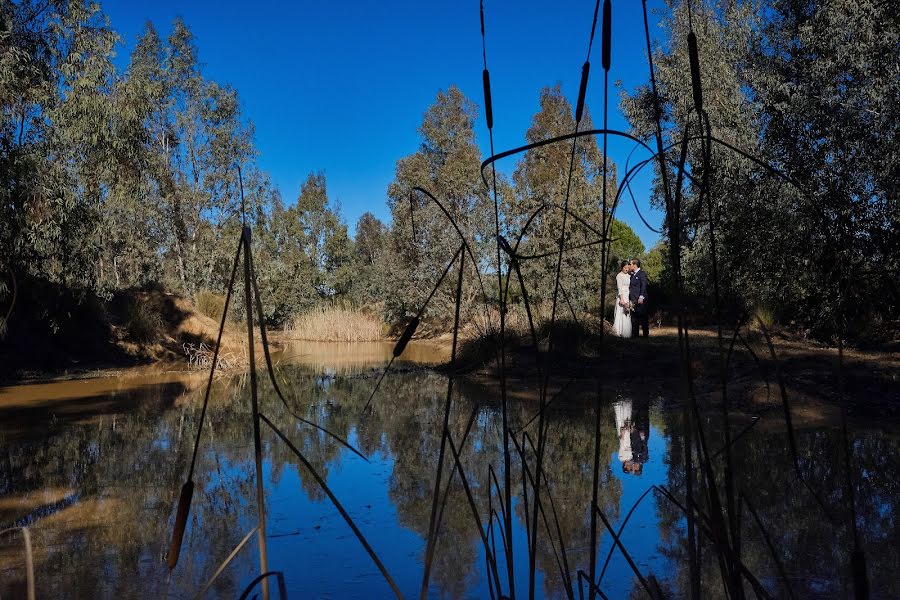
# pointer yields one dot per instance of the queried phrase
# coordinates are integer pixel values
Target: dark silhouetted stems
(592, 587)
(704, 527)
(672, 217)
(501, 301)
(271, 371)
(187, 490)
(433, 524)
(619, 533)
(215, 360)
(622, 549)
(254, 405)
(471, 500)
(772, 552)
(598, 407)
(789, 424)
(453, 471)
(562, 563)
(411, 326)
(264, 579)
(334, 501)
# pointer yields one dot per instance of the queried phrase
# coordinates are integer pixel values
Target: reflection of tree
(569, 469)
(126, 469)
(815, 554)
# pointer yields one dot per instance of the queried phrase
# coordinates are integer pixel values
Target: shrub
(762, 314)
(143, 321)
(210, 304)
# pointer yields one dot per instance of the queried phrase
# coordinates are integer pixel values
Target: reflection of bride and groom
(633, 430)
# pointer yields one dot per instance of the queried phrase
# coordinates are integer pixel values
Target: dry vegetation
(332, 324)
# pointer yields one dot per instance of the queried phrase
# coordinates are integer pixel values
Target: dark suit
(640, 432)
(640, 318)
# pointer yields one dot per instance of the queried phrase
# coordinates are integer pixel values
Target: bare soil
(816, 384)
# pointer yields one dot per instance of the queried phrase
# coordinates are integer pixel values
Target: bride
(622, 320)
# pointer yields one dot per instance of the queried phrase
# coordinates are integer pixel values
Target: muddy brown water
(93, 467)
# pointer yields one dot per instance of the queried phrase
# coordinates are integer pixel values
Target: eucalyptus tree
(422, 239)
(739, 196)
(826, 78)
(135, 223)
(369, 248)
(304, 253)
(543, 184)
(56, 69)
(775, 86)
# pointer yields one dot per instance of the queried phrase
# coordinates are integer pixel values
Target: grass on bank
(332, 324)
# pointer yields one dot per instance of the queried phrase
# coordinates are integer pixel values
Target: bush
(763, 315)
(143, 321)
(210, 304)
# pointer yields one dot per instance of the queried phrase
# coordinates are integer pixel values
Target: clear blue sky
(342, 86)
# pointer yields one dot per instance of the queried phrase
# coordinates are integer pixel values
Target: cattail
(695, 71)
(488, 109)
(481, 8)
(407, 335)
(607, 34)
(181, 515)
(585, 71)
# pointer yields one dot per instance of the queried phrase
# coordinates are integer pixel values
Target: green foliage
(447, 164)
(541, 180)
(369, 250)
(210, 304)
(115, 179)
(778, 86)
(55, 149)
(625, 243)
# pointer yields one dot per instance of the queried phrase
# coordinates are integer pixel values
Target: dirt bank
(869, 384)
(56, 333)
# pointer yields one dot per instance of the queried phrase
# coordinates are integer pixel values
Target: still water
(93, 467)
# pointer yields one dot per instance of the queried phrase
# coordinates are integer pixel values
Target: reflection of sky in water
(640, 536)
(122, 462)
(321, 558)
(317, 551)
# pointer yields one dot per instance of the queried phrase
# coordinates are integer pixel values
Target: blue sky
(342, 86)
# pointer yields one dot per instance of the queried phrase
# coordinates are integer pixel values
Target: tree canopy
(122, 178)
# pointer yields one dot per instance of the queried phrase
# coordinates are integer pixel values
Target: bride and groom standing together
(631, 300)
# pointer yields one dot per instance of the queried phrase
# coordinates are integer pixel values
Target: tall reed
(333, 324)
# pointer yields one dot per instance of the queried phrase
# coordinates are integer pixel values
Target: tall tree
(422, 239)
(776, 86)
(370, 246)
(542, 182)
(825, 75)
(56, 69)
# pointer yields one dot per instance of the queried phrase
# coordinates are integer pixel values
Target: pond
(93, 468)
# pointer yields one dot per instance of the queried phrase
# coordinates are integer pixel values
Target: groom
(637, 293)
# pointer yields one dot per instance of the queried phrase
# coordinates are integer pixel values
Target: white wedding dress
(621, 320)
(623, 419)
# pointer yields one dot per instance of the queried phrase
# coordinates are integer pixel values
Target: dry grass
(210, 304)
(336, 325)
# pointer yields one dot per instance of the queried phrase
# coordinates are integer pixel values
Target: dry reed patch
(333, 324)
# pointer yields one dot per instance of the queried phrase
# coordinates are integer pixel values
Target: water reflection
(97, 476)
(345, 358)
